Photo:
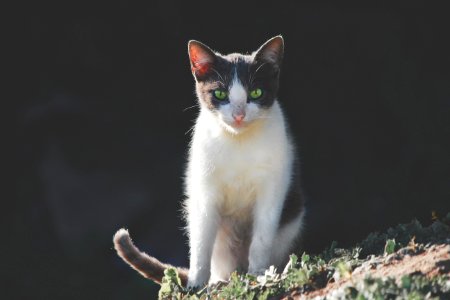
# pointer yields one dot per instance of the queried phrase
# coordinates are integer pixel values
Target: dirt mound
(429, 262)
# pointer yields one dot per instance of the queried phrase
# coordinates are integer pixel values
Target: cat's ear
(201, 57)
(271, 51)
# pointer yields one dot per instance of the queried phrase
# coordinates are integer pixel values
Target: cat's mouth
(239, 123)
(235, 127)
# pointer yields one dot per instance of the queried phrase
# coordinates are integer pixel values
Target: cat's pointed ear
(271, 51)
(201, 57)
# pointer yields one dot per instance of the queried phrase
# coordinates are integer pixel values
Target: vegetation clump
(401, 263)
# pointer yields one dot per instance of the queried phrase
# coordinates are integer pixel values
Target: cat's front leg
(202, 227)
(266, 220)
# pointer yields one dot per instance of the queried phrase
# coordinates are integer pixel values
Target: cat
(244, 207)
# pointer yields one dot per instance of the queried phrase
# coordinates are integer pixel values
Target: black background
(102, 128)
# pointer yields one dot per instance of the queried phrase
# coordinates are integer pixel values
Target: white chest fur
(234, 168)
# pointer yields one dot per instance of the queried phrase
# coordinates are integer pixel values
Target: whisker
(257, 69)
(187, 108)
(220, 76)
(189, 130)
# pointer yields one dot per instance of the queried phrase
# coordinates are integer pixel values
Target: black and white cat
(244, 206)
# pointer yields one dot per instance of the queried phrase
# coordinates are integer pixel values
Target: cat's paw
(196, 282)
(193, 286)
(194, 289)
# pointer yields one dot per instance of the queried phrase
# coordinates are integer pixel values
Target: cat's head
(238, 89)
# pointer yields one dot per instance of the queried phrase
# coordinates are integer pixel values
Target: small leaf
(343, 270)
(170, 284)
(305, 258)
(293, 259)
(389, 248)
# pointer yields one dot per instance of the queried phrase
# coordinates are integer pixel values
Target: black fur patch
(251, 73)
(294, 203)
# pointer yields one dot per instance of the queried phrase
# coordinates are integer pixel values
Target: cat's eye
(256, 94)
(220, 94)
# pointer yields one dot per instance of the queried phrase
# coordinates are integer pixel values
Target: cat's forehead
(236, 62)
(238, 58)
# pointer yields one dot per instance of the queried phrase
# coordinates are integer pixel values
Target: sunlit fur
(239, 175)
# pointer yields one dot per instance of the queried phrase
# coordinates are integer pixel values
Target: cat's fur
(244, 206)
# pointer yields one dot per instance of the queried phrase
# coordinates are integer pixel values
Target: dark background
(102, 129)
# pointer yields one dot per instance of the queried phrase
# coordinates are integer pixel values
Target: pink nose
(239, 118)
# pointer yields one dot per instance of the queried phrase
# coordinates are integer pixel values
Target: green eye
(256, 93)
(220, 94)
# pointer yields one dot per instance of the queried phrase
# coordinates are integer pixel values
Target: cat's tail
(148, 266)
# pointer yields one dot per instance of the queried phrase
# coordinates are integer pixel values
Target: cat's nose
(239, 117)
